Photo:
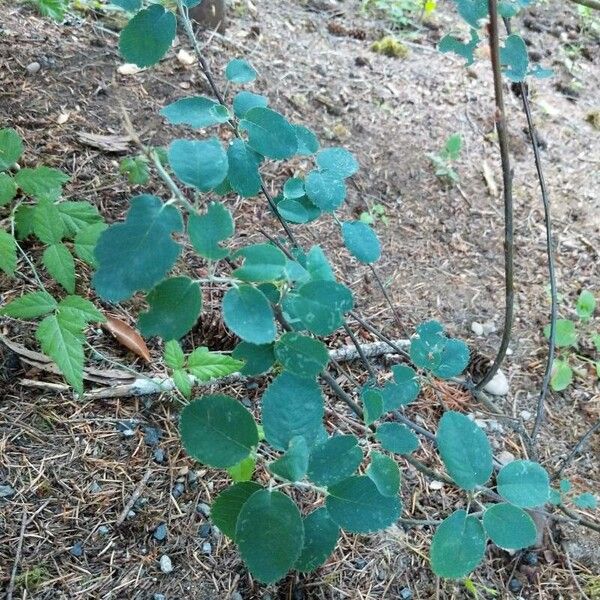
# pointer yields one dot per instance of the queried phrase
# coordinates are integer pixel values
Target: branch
(577, 448)
(595, 4)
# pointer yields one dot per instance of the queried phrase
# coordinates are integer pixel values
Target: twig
(13, 574)
(579, 519)
(570, 566)
(377, 333)
(577, 448)
(507, 192)
(362, 355)
(388, 300)
(139, 488)
(595, 4)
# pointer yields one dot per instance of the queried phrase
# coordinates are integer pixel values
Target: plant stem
(577, 448)
(388, 300)
(595, 4)
(362, 355)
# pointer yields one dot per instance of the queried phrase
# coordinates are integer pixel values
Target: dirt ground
(74, 465)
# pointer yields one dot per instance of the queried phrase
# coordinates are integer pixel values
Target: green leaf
(292, 406)
(239, 70)
(397, 438)
(217, 431)
(565, 486)
(320, 305)
(465, 450)
(458, 546)
(586, 500)
(524, 483)
(301, 210)
(372, 400)
(137, 254)
(325, 190)
(30, 306)
(509, 527)
(259, 358)
(8, 253)
(11, 148)
(269, 535)
(182, 381)
(43, 183)
(385, 474)
(596, 341)
(247, 312)
(361, 241)
(128, 5)
(24, 220)
(453, 147)
(136, 169)
(60, 264)
(174, 308)
(75, 309)
(320, 537)
(472, 11)
(244, 101)
(263, 262)
(195, 111)
(269, 133)
(205, 365)
(63, 343)
(566, 335)
(293, 464)
(454, 359)
(208, 230)
(357, 506)
(148, 36)
(173, 355)
(243, 175)
(403, 390)
(450, 43)
(301, 355)
(514, 59)
(335, 459)
(308, 143)
(8, 188)
(562, 375)
(337, 161)
(227, 505)
(200, 163)
(54, 9)
(86, 240)
(318, 266)
(76, 216)
(47, 223)
(243, 471)
(293, 188)
(586, 305)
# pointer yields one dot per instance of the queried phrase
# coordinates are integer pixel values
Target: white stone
(166, 566)
(498, 386)
(33, 68)
(128, 69)
(525, 415)
(477, 328)
(185, 58)
(489, 327)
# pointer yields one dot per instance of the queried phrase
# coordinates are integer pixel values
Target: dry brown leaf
(127, 336)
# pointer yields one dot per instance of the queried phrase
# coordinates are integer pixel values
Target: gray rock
(477, 328)
(33, 68)
(159, 455)
(131, 514)
(159, 597)
(95, 487)
(77, 549)
(6, 491)
(103, 530)
(177, 490)
(489, 327)
(236, 596)
(525, 415)
(166, 566)
(160, 533)
(207, 548)
(203, 509)
(127, 428)
(505, 457)
(151, 436)
(204, 530)
(406, 594)
(192, 476)
(498, 386)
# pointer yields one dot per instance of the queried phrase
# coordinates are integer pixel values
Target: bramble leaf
(8, 188)
(173, 355)
(11, 148)
(566, 335)
(29, 306)
(562, 375)
(243, 471)
(586, 305)
(60, 264)
(43, 183)
(136, 169)
(76, 216)
(75, 309)
(205, 365)
(8, 252)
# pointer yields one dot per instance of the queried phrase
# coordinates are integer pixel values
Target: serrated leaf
(174, 308)
(148, 36)
(43, 183)
(320, 537)
(247, 312)
(239, 70)
(450, 43)
(259, 358)
(47, 224)
(208, 230)
(76, 216)
(397, 438)
(509, 527)
(566, 334)
(205, 365)
(325, 190)
(11, 148)
(202, 164)
(293, 464)
(301, 355)
(337, 161)
(586, 500)
(562, 375)
(335, 459)
(269, 534)
(137, 254)
(196, 111)
(269, 133)
(262, 262)
(385, 474)
(357, 506)
(63, 343)
(524, 483)
(292, 406)
(24, 220)
(182, 382)
(86, 240)
(465, 450)
(372, 400)
(8, 188)
(173, 355)
(586, 305)
(30, 306)
(60, 264)
(226, 507)
(217, 431)
(136, 169)
(54, 9)
(76, 309)
(458, 546)
(244, 470)
(8, 253)
(361, 241)
(243, 174)
(244, 101)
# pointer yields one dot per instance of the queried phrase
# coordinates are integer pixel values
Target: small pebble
(406, 594)
(251, 385)
(360, 563)
(140, 503)
(489, 327)
(160, 533)
(246, 402)
(131, 514)
(159, 597)
(203, 509)
(177, 490)
(77, 549)
(514, 585)
(33, 68)
(193, 476)
(166, 566)
(236, 596)
(151, 436)
(159, 455)
(505, 457)
(103, 530)
(498, 386)
(207, 548)
(477, 328)
(6, 491)
(95, 487)
(525, 415)
(127, 428)
(204, 530)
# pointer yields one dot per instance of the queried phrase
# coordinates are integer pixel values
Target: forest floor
(74, 465)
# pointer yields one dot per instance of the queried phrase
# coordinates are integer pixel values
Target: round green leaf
(226, 508)
(514, 58)
(269, 534)
(239, 70)
(292, 406)
(335, 459)
(301, 210)
(243, 175)
(175, 305)
(372, 400)
(244, 470)
(586, 500)
(453, 361)
(293, 464)
(320, 537)
(269, 133)
(458, 546)
(566, 335)
(195, 111)
(361, 241)
(11, 148)
(562, 375)
(465, 450)
(403, 390)
(357, 506)
(586, 305)
(201, 164)
(218, 431)
(263, 262)
(385, 474)
(509, 527)
(244, 101)
(524, 483)
(337, 161)
(307, 141)
(397, 438)
(259, 358)
(301, 355)
(247, 312)
(148, 36)
(293, 188)
(208, 230)
(325, 190)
